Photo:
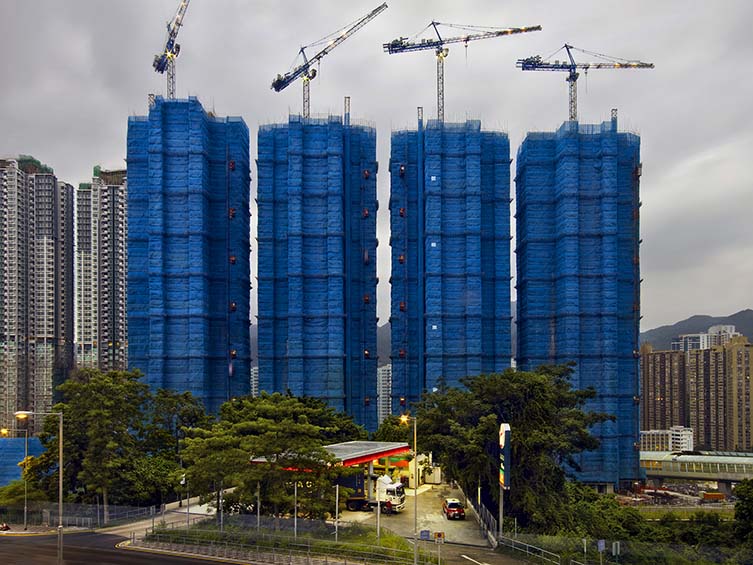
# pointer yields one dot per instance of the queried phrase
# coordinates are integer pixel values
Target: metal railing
(284, 550)
(486, 521)
(530, 550)
(488, 525)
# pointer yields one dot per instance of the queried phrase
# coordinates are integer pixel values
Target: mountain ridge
(661, 337)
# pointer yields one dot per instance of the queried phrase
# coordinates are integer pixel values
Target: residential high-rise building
(663, 389)
(691, 342)
(254, 391)
(384, 392)
(722, 334)
(450, 232)
(707, 397)
(739, 421)
(677, 438)
(578, 273)
(317, 262)
(36, 286)
(101, 272)
(188, 250)
(715, 335)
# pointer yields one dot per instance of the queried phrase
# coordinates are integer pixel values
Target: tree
(120, 441)
(102, 419)
(169, 415)
(13, 494)
(744, 511)
(271, 441)
(109, 409)
(391, 429)
(549, 427)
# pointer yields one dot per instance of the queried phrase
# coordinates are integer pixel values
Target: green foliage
(12, 494)
(107, 409)
(170, 414)
(744, 511)
(357, 542)
(152, 478)
(272, 442)
(549, 428)
(336, 426)
(391, 429)
(119, 441)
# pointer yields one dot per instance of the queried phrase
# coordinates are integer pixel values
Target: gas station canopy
(357, 452)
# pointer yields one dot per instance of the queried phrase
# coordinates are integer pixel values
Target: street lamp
(23, 415)
(404, 419)
(6, 432)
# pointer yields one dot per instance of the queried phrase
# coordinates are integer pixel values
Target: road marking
(473, 560)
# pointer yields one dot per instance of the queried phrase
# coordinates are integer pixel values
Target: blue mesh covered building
(317, 262)
(188, 250)
(450, 226)
(578, 276)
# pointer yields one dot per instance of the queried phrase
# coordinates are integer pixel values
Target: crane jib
(306, 69)
(402, 44)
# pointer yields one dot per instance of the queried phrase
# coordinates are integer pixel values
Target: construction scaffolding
(578, 276)
(450, 226)
(188, 250)
(317, 262)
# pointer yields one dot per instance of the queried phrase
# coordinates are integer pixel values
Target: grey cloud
(75, 70)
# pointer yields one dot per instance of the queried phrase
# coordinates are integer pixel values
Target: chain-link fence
(74, 515)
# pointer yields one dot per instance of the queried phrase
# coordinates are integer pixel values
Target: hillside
(661, 337)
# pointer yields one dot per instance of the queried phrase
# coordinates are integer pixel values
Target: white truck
(389, 496)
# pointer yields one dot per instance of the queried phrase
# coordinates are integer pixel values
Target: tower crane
(165, 61)
(536, 63)
(405, 45)
(307, 70)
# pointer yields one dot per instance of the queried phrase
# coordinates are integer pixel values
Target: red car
(453, 508)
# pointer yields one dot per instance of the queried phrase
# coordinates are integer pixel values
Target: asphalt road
(465, 545)
(89, 548)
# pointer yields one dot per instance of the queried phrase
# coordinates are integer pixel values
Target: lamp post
(6, 432)
(404, 419)
(23, 415)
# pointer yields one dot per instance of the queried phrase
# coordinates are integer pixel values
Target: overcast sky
(74, 70)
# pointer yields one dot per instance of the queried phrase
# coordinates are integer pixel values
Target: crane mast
(405, 45)
(306, 70)
(537, 63)
(165, 61)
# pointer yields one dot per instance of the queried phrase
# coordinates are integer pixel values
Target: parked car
(453, 508)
